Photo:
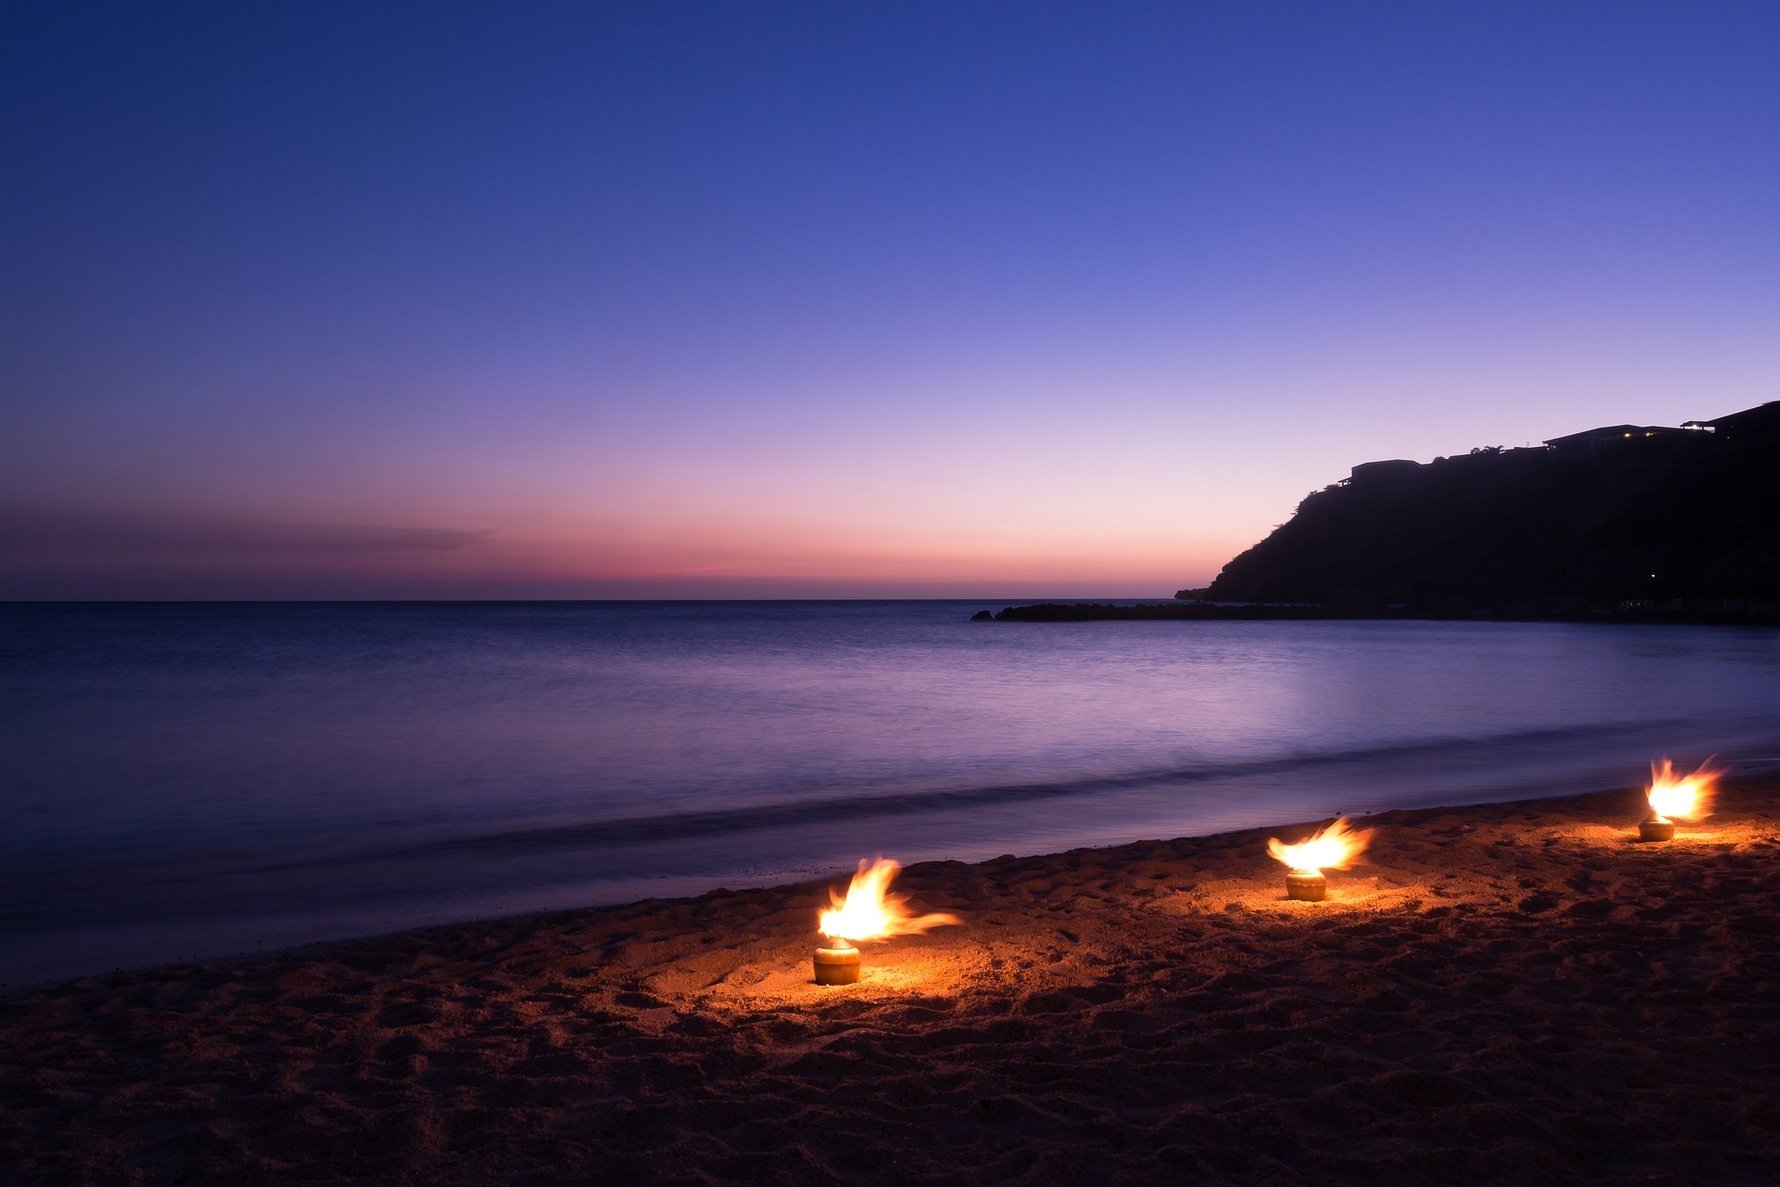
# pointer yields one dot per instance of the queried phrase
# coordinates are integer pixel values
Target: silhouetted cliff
(1616, 518)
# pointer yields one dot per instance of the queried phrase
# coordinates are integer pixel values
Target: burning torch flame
(869, 913)
(1688, 797)
(1332, 848)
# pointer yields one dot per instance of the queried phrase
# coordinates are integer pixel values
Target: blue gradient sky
(836, 299)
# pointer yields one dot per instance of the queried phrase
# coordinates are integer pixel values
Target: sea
(194, 781)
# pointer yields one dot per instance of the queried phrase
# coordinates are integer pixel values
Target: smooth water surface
(193, 780)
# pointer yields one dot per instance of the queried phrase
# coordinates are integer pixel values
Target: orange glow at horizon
(799, 558)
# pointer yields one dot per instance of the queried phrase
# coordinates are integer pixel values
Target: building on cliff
(1610, 437)
(1761, 421)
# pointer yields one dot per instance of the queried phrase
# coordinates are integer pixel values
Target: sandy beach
(1515, 993)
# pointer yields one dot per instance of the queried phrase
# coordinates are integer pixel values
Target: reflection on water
(200, 778)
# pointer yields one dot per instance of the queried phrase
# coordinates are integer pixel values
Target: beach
(1508, 993)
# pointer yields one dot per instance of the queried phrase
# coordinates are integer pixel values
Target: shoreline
(1203, 611)
(1499, 993)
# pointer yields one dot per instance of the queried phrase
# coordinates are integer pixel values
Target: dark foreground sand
(1506, 994)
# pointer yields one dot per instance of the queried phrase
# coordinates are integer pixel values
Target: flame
(1332, 848)
(868, 913)
(1688, 798)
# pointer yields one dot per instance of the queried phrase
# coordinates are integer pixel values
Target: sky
(740, 298)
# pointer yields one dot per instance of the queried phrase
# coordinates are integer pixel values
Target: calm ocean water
(197, 780)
